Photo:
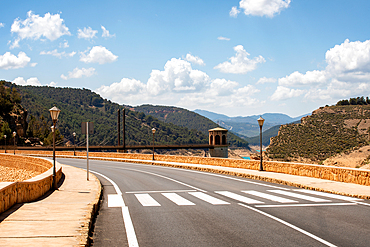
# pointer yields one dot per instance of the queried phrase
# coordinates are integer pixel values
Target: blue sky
(237, 58)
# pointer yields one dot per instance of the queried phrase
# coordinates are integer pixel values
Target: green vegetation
(9, 104)
(355, 101)
(83, 105)
(328, 131)
(188, 119)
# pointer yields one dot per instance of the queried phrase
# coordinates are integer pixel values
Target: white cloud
(78, 73)
(52, 84)
(194, 59)
(310, 78)
(234, 11)
(57, 54)
(264, 80)
(240, 63)
(64, 44)
(106, 33)
(2, 25)
(33, 81)
(98, 54)
(87, 33)
(283, 93)
(177, 76)
(34, 27)
(127, 90)
(347, 74)
(223, 38)
(263, 7)
(10, 61)
(179, 84)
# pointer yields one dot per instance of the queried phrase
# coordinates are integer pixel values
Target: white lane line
(179, 200)
(130, 230)
(307, 205)
(146, 200)
(115, 201)
(215, 175)
(157, 191)
(207, 198)
(290, 225)
(171, 179)
(269, 197)
(304, 197)
(238, 197)
(334, 196)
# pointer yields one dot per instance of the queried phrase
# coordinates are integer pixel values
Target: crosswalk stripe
(210, 199)
(146, 200)
(304, 197)
(179, 200)
(269, 197)
(238, 197)
(334, 196)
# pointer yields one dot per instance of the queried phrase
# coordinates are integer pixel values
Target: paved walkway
(63, 217)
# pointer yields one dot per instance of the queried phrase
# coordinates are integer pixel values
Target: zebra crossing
(268, 198)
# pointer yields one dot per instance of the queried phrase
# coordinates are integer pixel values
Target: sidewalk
(61, 218)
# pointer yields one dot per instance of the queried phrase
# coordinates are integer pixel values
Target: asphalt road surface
(147, 205)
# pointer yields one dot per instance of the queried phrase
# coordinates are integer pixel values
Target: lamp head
(14, 133)
(52, 128)
(74, 134)
(5, 136)
(260, 121)
(153, 130)
(54, 112)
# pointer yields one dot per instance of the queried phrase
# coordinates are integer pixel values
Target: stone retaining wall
(31, 189)
(340, 174)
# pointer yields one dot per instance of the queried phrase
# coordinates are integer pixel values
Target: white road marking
(290, 225)
(171, 179)
(304, 197)
(307, 205)
(179, 200)
(147, 201)
(115, 201)
(210, 199)
(334, 196)
(269, 197)
(215, 175)
(130, 231)
(157, 191)
(238, 197)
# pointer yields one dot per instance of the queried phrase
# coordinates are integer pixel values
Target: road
(160, 206)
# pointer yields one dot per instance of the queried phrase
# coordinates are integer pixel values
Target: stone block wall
(31, 189)
(340, 174)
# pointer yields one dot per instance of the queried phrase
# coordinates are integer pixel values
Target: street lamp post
(14, 134)
(153, 131)
(260, 123)
(74, 143)
(54, 112)
(5, 142)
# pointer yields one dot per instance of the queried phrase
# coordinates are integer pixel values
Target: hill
(248, 126)
(266, 136)
(328, 131)
(188, 119)
(82, 105)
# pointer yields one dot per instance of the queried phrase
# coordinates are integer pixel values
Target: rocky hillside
(329, 131)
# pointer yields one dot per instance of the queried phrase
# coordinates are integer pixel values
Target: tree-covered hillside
(83, 105)
(188, 119)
